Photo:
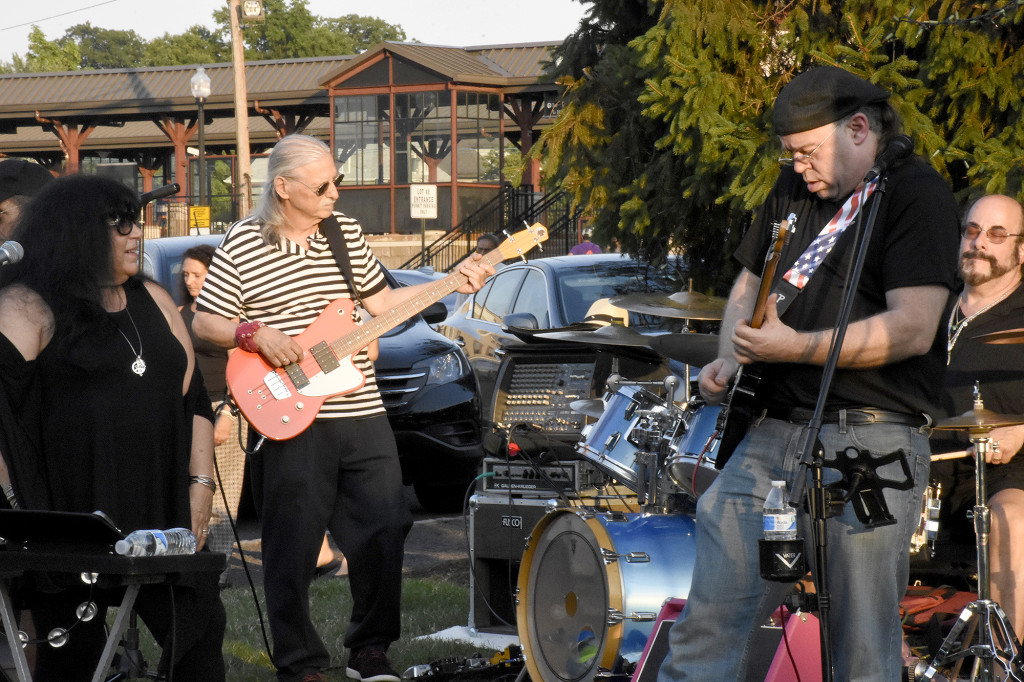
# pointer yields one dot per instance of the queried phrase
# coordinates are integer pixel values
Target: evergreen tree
(665, 135)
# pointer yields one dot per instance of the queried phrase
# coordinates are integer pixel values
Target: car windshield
(579, 288)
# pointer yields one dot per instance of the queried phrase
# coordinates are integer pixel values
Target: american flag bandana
(818, 249)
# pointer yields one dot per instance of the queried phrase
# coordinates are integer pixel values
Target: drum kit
(592, 579)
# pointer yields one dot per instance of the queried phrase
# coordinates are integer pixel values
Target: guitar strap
(331, 229)
(796, 278)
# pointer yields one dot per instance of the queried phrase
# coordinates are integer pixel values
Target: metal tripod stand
(982, 621)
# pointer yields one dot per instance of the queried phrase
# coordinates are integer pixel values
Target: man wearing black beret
(832, 126)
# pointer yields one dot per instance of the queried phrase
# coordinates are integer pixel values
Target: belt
(853, 416)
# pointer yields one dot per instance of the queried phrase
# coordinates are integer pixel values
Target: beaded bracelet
(11, 497)
(244, 334)
(203, 479)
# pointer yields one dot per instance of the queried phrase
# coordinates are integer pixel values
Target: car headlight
(445, 368)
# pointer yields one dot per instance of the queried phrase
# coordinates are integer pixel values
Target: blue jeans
(868, 570)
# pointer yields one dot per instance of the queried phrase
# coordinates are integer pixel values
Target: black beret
(820, 96)
(21, 178)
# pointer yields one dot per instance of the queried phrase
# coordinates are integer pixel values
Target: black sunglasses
(124, 224)
(321, 189)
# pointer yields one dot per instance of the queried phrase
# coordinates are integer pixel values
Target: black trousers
(341, 475)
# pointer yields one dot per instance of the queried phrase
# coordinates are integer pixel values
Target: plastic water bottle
(779, 520)
(157, 542)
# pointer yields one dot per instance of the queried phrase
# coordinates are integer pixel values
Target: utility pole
(242, 172)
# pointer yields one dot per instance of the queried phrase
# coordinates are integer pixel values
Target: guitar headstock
(520, 243)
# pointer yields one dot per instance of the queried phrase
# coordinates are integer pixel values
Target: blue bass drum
(591, 586)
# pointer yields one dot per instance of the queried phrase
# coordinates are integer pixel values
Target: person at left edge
(98, 371)
(271, 277)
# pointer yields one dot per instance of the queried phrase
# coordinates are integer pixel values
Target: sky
(441, 22)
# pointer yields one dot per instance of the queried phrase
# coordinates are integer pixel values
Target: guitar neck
(365, 334)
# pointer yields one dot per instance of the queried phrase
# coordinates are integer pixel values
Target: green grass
(428, 605)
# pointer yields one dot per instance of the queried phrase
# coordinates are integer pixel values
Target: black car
(425, 380)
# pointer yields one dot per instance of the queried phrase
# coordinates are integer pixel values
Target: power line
(55, 16)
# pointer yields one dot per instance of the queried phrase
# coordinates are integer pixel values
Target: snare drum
(692, 466)
(607, 443)
(591, 586)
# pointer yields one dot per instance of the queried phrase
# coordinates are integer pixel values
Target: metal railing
(509, 211)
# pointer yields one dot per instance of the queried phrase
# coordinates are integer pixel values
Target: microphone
(159, 193)
(900, 146)
(11, 252)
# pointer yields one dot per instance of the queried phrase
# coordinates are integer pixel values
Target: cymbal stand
(996, 641)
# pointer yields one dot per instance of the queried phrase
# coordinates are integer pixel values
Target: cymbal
(591, 407)
(1004, 337)
(612, 335)
(693, 349)
(978, 420)
(682, 304)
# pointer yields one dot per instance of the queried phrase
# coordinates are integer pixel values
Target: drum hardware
(631, 558)
(928, 528)
(982, 619)
(616, 617)
(682, 304)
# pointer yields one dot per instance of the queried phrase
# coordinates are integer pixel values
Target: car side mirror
(435, 313)
(520, 320)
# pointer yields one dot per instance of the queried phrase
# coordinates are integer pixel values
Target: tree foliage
(290, 31)
(665, 130)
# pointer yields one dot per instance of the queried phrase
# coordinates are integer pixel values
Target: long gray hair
(290, 154)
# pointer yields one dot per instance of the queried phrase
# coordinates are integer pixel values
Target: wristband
(244, 334)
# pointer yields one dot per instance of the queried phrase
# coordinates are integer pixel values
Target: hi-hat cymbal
(682, 304)
(693, 349)
(1003, 337)
(612, 335)
(591, 407)
(978, 420)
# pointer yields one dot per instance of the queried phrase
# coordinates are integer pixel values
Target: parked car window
(498, 302)
(533, 298)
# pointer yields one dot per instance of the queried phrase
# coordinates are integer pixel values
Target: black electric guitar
(738, 408)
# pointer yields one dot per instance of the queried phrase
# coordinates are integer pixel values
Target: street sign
(198, 216)
(423, 201)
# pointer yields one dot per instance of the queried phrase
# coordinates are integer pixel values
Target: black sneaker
(370, 665)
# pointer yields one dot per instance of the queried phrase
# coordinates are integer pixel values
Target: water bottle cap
(121, 547)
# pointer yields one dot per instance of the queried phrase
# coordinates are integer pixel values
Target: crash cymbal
(693, 349)
(612, 335)
(978, 420)
(682, 304)
(1005, 336)
(591, 407)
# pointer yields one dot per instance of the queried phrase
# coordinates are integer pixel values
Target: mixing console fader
(540, 393)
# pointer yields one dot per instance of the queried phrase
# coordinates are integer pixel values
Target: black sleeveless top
(114, 440)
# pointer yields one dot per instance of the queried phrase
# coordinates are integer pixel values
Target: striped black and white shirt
(287, 286)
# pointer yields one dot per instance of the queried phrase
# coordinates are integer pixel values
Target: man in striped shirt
(272, 276)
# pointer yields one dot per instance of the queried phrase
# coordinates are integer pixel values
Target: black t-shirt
(914, 243)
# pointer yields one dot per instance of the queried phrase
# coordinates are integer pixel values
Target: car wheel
(442, 497)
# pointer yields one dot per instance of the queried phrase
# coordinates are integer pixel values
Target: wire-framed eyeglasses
(995, 234)
(322, 188)
(806, 158)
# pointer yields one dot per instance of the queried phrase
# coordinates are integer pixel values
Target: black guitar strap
(331, 229)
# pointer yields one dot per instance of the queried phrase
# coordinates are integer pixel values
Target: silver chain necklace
(139, 366)
(955, 325)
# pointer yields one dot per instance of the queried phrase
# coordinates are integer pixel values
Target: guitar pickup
(298, 377)
(325, 357)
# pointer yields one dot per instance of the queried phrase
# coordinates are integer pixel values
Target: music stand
(70, 543)
(996, 639)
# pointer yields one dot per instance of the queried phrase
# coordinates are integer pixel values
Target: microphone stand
(812, 457)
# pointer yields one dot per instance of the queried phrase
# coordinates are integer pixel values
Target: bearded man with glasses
(270, 279)
(992, 300)
(886, 390)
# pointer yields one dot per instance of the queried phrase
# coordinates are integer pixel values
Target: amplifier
(499, 529)
(521, 478)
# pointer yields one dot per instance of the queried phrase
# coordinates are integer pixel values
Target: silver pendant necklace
(139, 366)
